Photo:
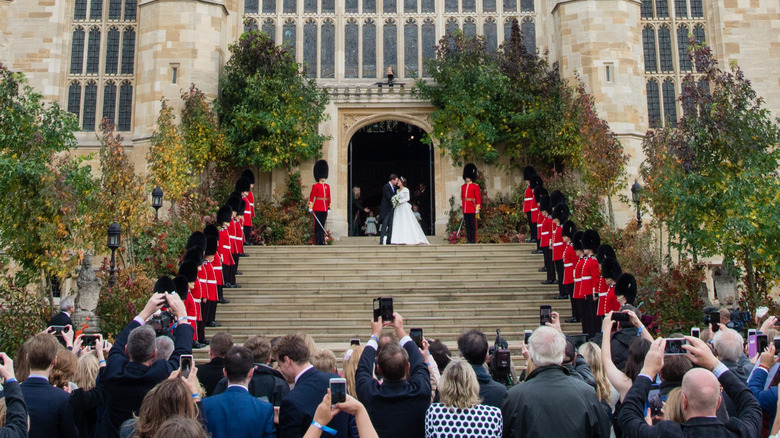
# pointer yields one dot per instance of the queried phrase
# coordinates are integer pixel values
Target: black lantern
(114, 239)
(636, 196)
(157, 200)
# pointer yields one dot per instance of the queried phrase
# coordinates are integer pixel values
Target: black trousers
(234, 268)
(220, 294)
(570, 292)
(470, 222)
(247, 232)
(548, 263)
(319, 230)
(588, 316)
(535, 235)
(209, 312)
(386, 230)
(559, 272)
(530, 225)
(201, 327)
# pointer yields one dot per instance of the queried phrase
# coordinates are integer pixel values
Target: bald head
(701, 393)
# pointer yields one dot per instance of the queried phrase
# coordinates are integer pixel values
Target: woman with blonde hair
(459, 412)
(169, 398)
(673, 406)
(351, 359)
(604, 390)
(86, 371)
(64, 369)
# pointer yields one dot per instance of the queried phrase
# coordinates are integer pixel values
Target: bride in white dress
(406, 230)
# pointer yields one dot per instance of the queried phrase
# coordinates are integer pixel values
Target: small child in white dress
(416, 210)
(371, 224)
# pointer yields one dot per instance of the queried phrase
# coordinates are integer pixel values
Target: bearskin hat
(249, 175)
(545, 204)
(164, 284)
(234, 201)
(189, 270)
(320, 170)
(211, 230)
(560, 211)
(194, 254)
(605, 251)
(626, 286)
(591, 240)
(557, 197)
(182, 288)
(242, 185)
(610, 268)
(211, 245)
(196, 239)
(569, 228)
(539, 192)
(224, 214)
(242, 206)
(536, 181)
(528, 172)
(470, 171)
(576, 240)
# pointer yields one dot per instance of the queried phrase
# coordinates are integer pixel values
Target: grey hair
(547, 346)
(141, 344)
(66, 303)
(164, 347)
(729, 344)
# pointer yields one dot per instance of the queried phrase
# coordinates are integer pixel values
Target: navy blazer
(209, 374)
(126, 383)
(16, 412)
(386, 207)
(236, 414)
(397, 409)
(297, 410)
(49, 410)
(61, 318)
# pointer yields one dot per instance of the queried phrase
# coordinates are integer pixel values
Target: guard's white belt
(566, 265)
(587, 278)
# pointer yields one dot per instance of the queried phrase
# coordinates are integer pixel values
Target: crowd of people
(621, 382)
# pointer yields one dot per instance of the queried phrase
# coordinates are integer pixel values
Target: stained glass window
(309, 6)
(289, 6)
(452, 26)
(96, 10)
(389, 7)
(130, 9)
(681, 8)
(351, 49)
(369, 49)
(112, 51)
(269, 6)
(450, 5)
(647, 10)
(489, 6)
(328, 50)
(77, 52)
(128, 51)
(696, 9)
(428, 6)
(250, 6)
(114, 9)
(661, 8)
(510, 6)
(526, 5)
(310, 48)
(670, 104)
(411, 50)
(390, 39)
(369, 6)
(80, 12)
(250, 25)
(665, 47)
(698, 33)
(93, 51)
(469, 6)
(125, 106)
(648, 44)
(507, 29)
(528, 29)
(90, 104)
(410, 6)
(653, 104)
(109, 101)
(491, 34)
(428, 43)
(288, 35)
(682, 48)
(269, 28)
(351, 6)
(74, 98)
(470, 27)
(328, 7)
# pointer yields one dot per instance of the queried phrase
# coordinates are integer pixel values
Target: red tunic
(239, 229)
(557, 243)
(590, 277)
(250, 198)
(224, 246)
(578, 278)
(470, 197)
(216, 266)
(211, 280)
(546, 232)
(233, 231)
(200, 290)
(569, 260)
(534, 211)
(247, 211)
(528, 200)
(602, 288)
(192, 314)
(319, 198)
(612, 304)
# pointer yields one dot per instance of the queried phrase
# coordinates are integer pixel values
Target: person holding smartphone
(15, 409)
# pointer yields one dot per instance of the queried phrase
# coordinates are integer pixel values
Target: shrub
(636, 251)
(22, 314)
(119, 304)
(586, 206)
(674, 304)
(160, 247)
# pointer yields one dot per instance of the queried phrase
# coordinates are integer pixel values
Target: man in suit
(397, 406)
(297, 410)
(132, 369)
(473, 346)
(235, 413)
(386, 210)
(209, 374)
(49, 408)
(15, 409)
(700, 398)
(66, 309)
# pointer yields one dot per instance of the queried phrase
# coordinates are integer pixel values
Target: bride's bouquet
(395, 199)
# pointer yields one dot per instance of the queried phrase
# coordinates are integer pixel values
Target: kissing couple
(399, 225)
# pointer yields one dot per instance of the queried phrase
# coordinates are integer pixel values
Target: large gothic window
(128, 51)
(410, 6)
(369, 49)
(648, 44)
(80, 10)
(269, 6)
(96, 10)
(351, 36)
(681, 8)
(647, 9)
(665, 47)
(411, 49)
(429, 6)
(114, 9)
(390, 42)
(491, 34)
(528, 29)
(428, 43)
(698, 34)
(74, 98)
(269, 28)
(661, 8)
(470, 27)
(328, 7)
(527, 5)
(130, 10)
(90, 107)
(93, 51)
(351, 6)
(510, 6)
(112, 51)
(469, 6)
(290, 6)
(369, 6)
(389, 6)
(289, 35)
(696, 9)
(77, 52)
(109, 101)
(682, 48)
(310, 47)
(670, 102)
(653, 104)
(250, 6)
(328, 50)
(125, 106)
(452, 26)
(451, 6)
(489, 6)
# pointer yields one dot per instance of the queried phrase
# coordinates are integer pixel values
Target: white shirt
(304, 370)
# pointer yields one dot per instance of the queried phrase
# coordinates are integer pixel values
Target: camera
(739, 319)
(712, 316)
(162, 322)
(501, 361)
(674, 346)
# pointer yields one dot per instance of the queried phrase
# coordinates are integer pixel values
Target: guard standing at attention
(319, 201)
(471, 200)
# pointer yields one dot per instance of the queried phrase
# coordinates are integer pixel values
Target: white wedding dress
(406, 230)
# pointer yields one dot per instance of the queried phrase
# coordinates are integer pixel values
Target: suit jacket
(49, 410)
(397, 409)
(297, 409)
(209, 374)
(266, 382)
(386, 207)
(61, 318)
(126, 383)
(746, 424)
(236, 414)
(491, 392)
(15, 412)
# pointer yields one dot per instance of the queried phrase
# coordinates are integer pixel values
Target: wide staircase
(327, 292)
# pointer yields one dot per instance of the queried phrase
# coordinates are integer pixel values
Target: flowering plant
(395, 200)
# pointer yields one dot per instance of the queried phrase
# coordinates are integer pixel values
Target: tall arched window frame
(648, 46)
(528, 29)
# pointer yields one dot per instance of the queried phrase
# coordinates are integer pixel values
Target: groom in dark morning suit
(386, 210)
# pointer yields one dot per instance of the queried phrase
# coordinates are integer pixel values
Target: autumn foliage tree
(170, 166)
(199, 126)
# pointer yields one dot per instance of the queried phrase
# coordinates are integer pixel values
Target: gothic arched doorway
(390, 146)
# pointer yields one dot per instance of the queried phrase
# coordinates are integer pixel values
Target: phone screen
(57, 329)
(338, 390)
(620, 316)
(695, 332)
(527, 336)
(776, 341)
(761, 343)
(354, 342)
(715, 320)
(89, 340)
(417, 336)
(186, 365)
(545, 314)
(674, 346)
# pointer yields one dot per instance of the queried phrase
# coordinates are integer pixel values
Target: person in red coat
(579, 297)
(211, 297)
(537, 185)
(198, 293)
(319, 201)
(243, 188)
(188, 272)
(236, 235)
(471, 200)
(545, 211)
(250, 205)
(560, 214)
(528, 200)
(570, 259)
(590, 279)
(604, 251)
(610, 272)
(224, 217)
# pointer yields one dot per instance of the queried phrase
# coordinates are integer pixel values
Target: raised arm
(619, 381)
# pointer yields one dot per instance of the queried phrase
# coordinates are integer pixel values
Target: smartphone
(695, 332)
(752, 332)
(383, 306)
(715, 320)
(761, 343)
(57, 329)
(776, 341)
(354, 342)
(579, 339)
(338, 390)
(417, 336)
(527, 335)
(545, 314)
(674, 346)
(620, 316)
(185, 365)
(89, 340)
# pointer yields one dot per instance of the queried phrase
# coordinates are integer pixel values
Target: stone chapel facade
(118, 58)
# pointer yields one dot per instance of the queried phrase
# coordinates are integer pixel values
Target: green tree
(169, 166)
(204, 139)
(469, 95)
(713, 176)
(46, 196)
(270, 112)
